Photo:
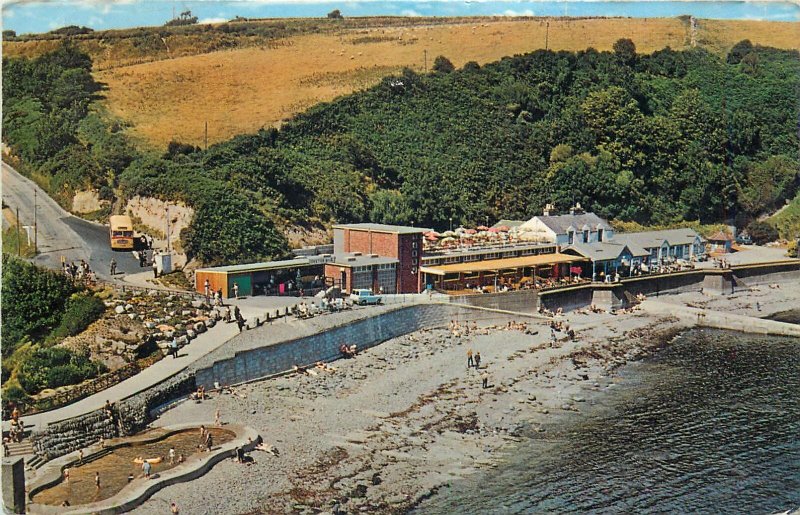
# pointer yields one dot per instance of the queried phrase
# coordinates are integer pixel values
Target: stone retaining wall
(523, 301)
(130, 416)
(273, 359)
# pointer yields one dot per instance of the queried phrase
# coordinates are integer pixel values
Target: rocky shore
(387, 429)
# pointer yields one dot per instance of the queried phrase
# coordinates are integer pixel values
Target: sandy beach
(388, 428)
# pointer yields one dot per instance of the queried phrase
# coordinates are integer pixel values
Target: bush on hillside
(80, 311)
(762, 232)
(56, 366)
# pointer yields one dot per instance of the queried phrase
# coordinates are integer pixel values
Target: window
(570, 237)
(599, 234)
(586, 236)
(414, 244)
(413, 253)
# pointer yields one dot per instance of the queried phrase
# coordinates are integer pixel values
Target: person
(209, 441)
(130, 478)
(80, 456)
(217, 418)
(235, 290)
(240, 322)
(97, 480)
(181, 459)
(113, 267)
(207, 288)
(66, 474)
(15, 413)
(171, 455)
(485, 379)
(202, 433)
(237, 314)
(146, 468)
(240, 454)
(227, 316)
(173, 508)
(470, 360)
(758, 305)
(477, 360)
(173, 347)
(155, 270)
(65, 504)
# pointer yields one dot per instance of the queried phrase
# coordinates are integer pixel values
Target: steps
(20, 449)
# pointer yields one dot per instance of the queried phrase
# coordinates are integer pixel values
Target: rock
(150, 325)
(119, 310)
(128, 307)
(579, 399)
(200, 327)
(132, 316)
(190, 334)
(211, 322)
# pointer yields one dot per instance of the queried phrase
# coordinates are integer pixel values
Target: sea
(710, 424)
(42, 16)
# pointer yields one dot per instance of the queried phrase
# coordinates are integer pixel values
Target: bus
(121, 233)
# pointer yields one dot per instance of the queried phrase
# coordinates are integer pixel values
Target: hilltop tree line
(674, 135)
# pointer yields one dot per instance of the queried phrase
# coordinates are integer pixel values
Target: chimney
(548, 210)
(576, 209)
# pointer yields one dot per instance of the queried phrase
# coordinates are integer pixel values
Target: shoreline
(389, 428)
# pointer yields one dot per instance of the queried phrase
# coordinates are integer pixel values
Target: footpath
(154, 374)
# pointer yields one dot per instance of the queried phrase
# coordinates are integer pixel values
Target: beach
(391, 426)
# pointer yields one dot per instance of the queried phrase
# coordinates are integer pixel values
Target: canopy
(502, 264)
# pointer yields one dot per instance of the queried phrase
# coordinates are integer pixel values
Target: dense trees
(674, 135)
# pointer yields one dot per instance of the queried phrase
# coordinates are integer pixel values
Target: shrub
(14, 393)
(81, 310)
(791, 249)
(56, 366)
(762, 232)
(443, 65)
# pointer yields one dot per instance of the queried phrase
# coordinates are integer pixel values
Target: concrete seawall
(279, 357)
(721, 320)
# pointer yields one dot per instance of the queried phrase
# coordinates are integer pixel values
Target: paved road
(60, 233)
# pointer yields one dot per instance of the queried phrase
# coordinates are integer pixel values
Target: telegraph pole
(546, 35)
(426, 59)
(19, 241)
(205, 138)
(167, 228)
(35, 227)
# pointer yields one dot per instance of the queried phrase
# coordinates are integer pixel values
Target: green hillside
(676, 135)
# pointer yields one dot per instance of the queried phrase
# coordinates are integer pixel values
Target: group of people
(206, 440)
(348, 351)
(215, 296)
(548, 312)
(80, 271)
(462, 330)
(17, 431)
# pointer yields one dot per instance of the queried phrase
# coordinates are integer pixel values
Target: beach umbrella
(503, 228)
(431, 237)
(482, 228)
(471, 231)
(493, 230)
(448, 239)
(448, 234)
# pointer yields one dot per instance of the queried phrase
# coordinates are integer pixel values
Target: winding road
(59, 232)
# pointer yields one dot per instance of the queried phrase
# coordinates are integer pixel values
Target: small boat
(152, 461)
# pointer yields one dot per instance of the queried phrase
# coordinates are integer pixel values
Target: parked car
(363, 297)
(744, 239)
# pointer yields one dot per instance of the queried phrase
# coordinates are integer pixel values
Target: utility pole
(167, 228)
(19, 242)
(546, 35)
(35, 227)
(205, 138)
(426, 59)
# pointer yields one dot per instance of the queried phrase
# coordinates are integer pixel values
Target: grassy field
(240, 83)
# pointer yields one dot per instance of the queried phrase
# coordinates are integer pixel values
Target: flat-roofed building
(400, 242)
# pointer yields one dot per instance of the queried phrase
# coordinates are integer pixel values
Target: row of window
(368, 268)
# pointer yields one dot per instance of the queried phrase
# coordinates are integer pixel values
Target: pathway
(167, 367)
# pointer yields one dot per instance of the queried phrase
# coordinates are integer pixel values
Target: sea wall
(523, 301)
(276, 358)
(129, 416)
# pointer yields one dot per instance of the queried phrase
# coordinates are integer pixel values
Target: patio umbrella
(482, 228)
(503, 228)
(448, 239)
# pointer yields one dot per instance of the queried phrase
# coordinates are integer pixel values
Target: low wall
(279, 357)
(523, 301)
(769, 273)
(568, 299)
(130, 416)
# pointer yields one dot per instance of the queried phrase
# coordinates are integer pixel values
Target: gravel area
(389, 427)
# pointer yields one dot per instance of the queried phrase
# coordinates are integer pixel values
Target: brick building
(400, 243)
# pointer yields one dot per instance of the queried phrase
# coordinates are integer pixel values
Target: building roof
(651, 239)
(482, 250)
(606, 251)
(560, 223)
(509, 223)
(351, 259)
(393, 229)
(720, 236)
(500, 264)
(258, 267)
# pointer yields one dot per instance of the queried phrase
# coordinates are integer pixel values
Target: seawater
(708, 425)
(26, 17)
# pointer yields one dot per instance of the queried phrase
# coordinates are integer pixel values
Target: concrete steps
(20, 449)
